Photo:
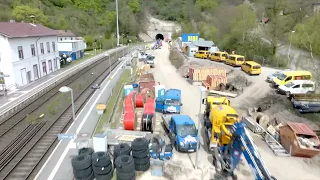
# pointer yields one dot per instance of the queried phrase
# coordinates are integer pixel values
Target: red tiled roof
(65, 33)
(18, 29)
(301, 128)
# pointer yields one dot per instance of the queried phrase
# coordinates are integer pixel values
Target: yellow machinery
(213, 101)
(217, 126)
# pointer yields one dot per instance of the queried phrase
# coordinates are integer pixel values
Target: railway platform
(11, 102)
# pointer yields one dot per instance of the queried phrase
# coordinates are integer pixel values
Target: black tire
(108, 176)
(81, 162)
(140, 144)
(141, 161)
(127, 175)
(101, 159)
(87, 151)
(82, 173)
(140, 154)
(90, 177)
(102, 170)
(121, 149)
(143, 167)
(124, 163)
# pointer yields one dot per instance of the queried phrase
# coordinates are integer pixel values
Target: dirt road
(282, 168)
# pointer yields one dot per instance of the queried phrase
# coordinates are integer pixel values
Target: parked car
(297, 87)
(275, 74)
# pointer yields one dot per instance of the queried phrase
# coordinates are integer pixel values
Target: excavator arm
(242, 143)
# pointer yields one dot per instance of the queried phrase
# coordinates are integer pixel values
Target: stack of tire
(82, 169)
(102, 166)
(125, 169)
(140, 153)
(121, 149)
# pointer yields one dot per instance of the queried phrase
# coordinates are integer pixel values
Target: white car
(297, 87)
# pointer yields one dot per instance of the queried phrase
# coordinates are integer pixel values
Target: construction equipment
(218, 124)
(169, 101)
(213, 101)
(228, 156)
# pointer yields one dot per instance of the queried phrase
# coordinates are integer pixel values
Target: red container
(139, 100)
(128, 109)
(129, 121)
(146, 77)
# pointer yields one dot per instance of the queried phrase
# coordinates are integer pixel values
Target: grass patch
(105, 119)
(175, 58)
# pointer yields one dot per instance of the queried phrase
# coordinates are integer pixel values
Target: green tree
(63, 23)
(134, 5)
(25, 13)
(89, 40)
(206, 5)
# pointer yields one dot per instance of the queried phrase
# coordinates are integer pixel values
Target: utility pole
(117, 10)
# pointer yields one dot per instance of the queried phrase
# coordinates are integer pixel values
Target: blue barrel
(127, 89)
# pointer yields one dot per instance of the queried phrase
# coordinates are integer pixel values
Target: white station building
(27, 53)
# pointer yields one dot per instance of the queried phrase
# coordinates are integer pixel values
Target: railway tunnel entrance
(160, 36)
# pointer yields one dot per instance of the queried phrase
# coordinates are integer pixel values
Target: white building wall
(5, 64)
(64, 38)
(74, 46)
(23, 71)
(64, 46)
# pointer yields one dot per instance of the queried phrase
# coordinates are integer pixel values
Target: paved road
(58, 166)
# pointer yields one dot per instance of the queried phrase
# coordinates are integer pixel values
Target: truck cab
(182, 132)
(169, 101)
(213, 101)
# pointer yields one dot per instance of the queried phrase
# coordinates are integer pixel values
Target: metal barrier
(36, 92)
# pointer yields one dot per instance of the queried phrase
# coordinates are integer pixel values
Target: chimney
(12, 21)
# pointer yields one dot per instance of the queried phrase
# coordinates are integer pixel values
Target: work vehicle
(182, 132)
(275, 74)
(288, 76)
(235, 60)
(216, 127)
(201, 54)
(297, 87)
(219, 56)
(169, 101)
(251, 67)
(213, 101)
(229, 156)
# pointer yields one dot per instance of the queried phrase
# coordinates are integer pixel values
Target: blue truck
(169, 101)
(182, 132)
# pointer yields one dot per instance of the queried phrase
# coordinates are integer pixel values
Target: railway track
(29, 143)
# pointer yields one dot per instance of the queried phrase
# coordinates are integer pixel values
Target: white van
(297, 87)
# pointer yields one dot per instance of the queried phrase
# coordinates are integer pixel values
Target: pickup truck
(182, 132)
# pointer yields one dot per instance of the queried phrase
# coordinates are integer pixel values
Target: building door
(23, 76)
(29, 77)
(44, 68)
(35, 72)
(50, 66)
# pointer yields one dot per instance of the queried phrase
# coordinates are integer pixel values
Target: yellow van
(235, 60)
(287, 76)
(251, 67)
(219, 56)
(201, 54)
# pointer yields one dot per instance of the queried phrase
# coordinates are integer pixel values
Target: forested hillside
(89, 18)
(231, 24)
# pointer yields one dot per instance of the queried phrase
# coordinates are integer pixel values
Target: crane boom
(242, 143)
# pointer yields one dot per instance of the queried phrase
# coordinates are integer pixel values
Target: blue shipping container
(190, 37)
(127, 89)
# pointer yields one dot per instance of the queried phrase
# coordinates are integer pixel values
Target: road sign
(66, 136)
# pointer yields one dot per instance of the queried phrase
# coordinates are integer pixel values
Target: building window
(44, 68)
(33, 50)
(48, 47)
(60, 39)
(71, 38)
(65, 38)
(50, 66)
(53, 47)
(35, 72)
(20, 51)
(41, 48)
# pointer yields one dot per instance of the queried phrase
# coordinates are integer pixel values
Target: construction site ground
(283, 168)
